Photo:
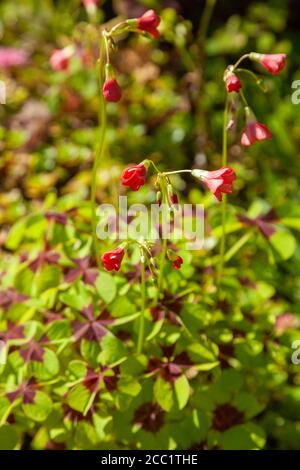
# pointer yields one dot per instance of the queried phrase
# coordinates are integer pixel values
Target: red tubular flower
(134, 176)
(149, 22)
(177, 262)
(88, 3)
(60, 58)
(90, 6)
(232, 83)
(112, 91)
(255, 131)
(112, 259)
(273, 63)
(219, 181)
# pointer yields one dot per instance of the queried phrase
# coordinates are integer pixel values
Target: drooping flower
(149, 22)
(112, 259)
(86, 3)
(218, 181)
(177, 262)
(134, 176)
(232, 83)
(273, 63)
(255, 131)
(12, 57)
(111, 90)
(60, 58)
(90, 6)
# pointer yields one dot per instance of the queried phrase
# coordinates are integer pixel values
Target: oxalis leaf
(112, 352)
(182, 391)
(106, 287)
(163, 393)
(40, 408)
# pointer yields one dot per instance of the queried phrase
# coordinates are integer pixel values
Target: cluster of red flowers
(134, 177)
(254, 130)
(148, 23)
(220, 181)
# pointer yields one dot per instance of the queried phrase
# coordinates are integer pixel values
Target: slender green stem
(99, 150)
(224, 163)
(259, 81)
(244, 99)
(245, 56)
(155, 167)
(142, 316)
(164, 241)
(176, 172)
(238, 245)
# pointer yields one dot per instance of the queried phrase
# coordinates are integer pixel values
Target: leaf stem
(224, 201)
(99, 150)
(176, 172)
(245, 56)
(238, 245)
(164, 241)
(142, 316)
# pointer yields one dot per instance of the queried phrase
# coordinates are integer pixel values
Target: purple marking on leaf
(170, 367)
(90, 276)
(32, 352)
(47, 256)
(12, 396)
(27, 390)
(58, 217)
(150, 416)
(52, 316)
(12, 332)
(111, 381)
(76, 416)
(93, 379)
(10, 297)
(83, 263)
(169, 308)
(265, 223)
(94, 329)
(84, 270)
(88, 312)
(226, 416)
(157, 313)
(266, 228)
(72, 275)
